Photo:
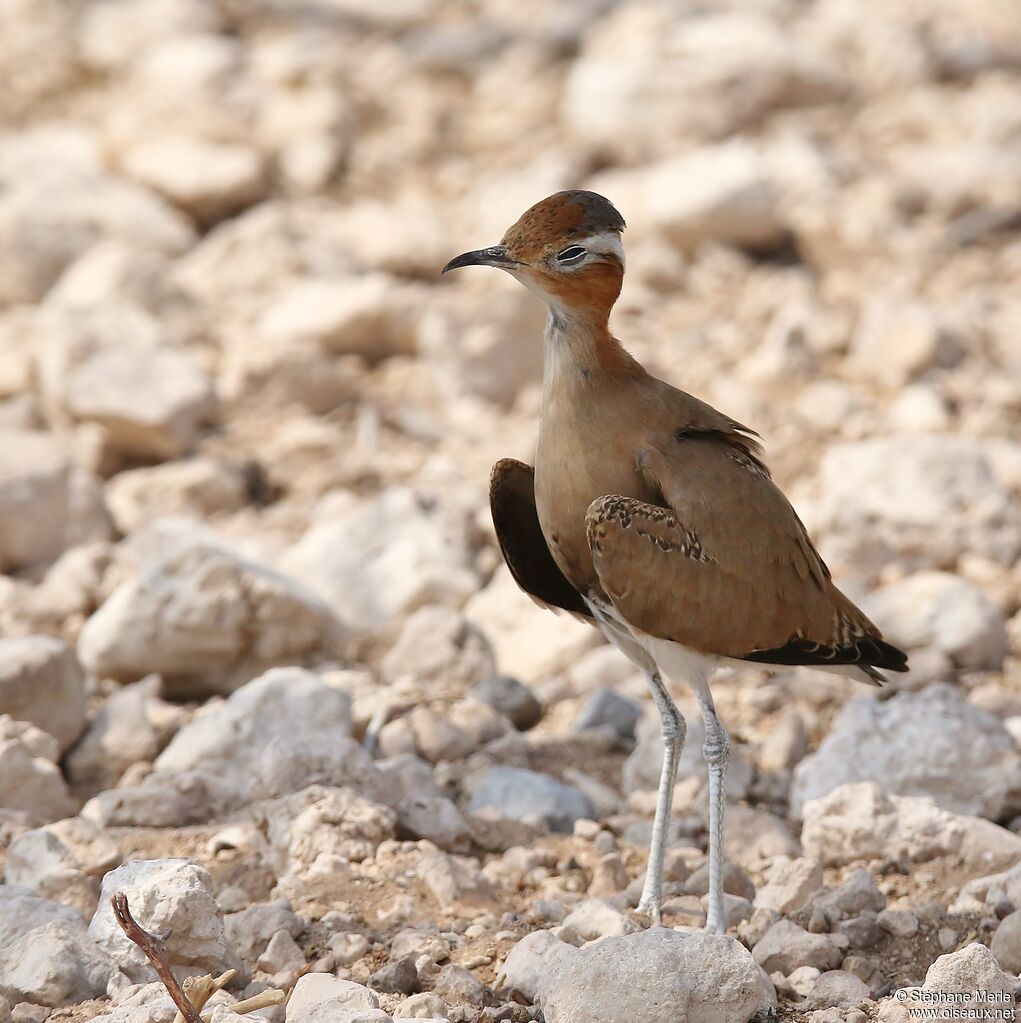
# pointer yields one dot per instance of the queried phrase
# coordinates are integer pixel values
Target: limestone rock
(42, 682)
(250, 930)
(195, 487)
(150, 399)
(55, 965)
(63, 861)
(172, 895)
(944, 611)
(370, 315)
(963, 973)
(790, 884)
(132, 724)
(312, 828)
(34, 498)
(208, 180)
(23, 911)
(188, 617)
(438, 644)
(945, 748)
(707, 977)
(527, 645)
(785, 946)
(29, 778)
(517, 793)
(859, 821)
(913, 498)
(392, 554)
(318, 997)
(719, 193)
(722, 69)
(288, 730)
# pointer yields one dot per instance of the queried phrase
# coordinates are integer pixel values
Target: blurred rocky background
(245, 435)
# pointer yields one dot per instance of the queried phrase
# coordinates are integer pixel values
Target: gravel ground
(261, 667)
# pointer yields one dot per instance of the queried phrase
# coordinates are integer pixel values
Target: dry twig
(154, 947)
(196, 991)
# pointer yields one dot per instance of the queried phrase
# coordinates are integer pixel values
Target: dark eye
(571, 255)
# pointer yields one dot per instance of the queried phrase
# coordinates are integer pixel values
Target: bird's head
(567, 249)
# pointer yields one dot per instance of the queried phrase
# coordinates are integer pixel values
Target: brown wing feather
(524, 548)
(735, 572)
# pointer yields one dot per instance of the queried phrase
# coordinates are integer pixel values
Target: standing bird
(653, 516)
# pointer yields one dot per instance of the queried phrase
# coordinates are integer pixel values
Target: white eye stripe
(606, 242)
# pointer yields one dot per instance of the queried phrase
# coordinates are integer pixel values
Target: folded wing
(725, 565)
(524, 548)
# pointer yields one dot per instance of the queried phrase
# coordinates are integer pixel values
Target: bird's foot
(651, 905)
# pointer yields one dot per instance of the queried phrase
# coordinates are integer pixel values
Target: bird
(653, 516)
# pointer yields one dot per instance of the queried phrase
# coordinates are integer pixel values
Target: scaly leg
(673, 742)
(717, 752)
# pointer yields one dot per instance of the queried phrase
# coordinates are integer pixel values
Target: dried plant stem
(154, 948)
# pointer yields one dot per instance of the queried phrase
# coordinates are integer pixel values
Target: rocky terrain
(261, 668)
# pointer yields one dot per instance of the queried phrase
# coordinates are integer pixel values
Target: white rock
(454, 880)
(318, 825)
(860, 821)
(112, 35)
(393, 553)
(963, 973)
(527, 645)
(164, 801)
(63, 861)
(174, 895)
(288, 730)
(438, 644)
(320, 996)
(487, 344)
(529, 962)
(251, 929)
(151, 401)
(919, 499)
(594, 919)
(944, 611)
(706, 977)
(348, 948)
(48, 220)
(424, 1005)
(716, 194)
(22, 911)
(372, 315)
(34, 499)
(423, 811)
(896, 340)
(208, 180)
(189, 618)
(837, 988)
(282, 954)
(56, 965)
(114, 271)
(518, 793)
(790, 884)
(644, 75)
(196, 487)
(42, 682)
(786, 946)
(29, 778)
(945, 748)
(132, 724)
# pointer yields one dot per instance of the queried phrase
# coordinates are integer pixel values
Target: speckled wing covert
(524, 548)
(735, 572)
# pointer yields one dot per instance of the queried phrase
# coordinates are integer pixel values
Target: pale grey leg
(717, 752)
(673, 742)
